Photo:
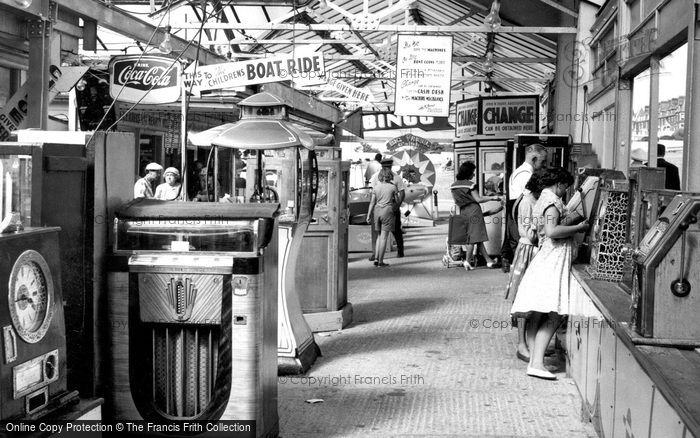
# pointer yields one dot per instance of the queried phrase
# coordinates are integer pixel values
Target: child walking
(543, 295)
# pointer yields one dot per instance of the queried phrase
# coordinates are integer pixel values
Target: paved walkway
(425, 357)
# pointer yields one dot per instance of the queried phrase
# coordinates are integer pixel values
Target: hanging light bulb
(23, 3)
(166, 46)
(492, 20)
(322, 4)
(80, 86)
(488, 63)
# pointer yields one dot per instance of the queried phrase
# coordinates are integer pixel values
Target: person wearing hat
(638, 156)
(398, 182)
(143, 188)
(170, 189)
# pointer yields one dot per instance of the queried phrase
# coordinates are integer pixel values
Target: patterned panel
(198, 301)
(607, 257)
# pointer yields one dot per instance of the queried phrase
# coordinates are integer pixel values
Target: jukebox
(280, 167)
(192, 306)
(665, 301)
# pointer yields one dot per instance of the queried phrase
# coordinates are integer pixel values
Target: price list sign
(423, 75)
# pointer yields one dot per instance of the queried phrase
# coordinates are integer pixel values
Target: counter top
(674, 371)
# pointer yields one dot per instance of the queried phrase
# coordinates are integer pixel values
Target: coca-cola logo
(145, 75)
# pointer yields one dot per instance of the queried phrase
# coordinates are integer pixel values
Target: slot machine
(665, 299)
(193, 310)
(281, 167)
(589, 186)
(558, 147)
(33, 366)
(608, 231)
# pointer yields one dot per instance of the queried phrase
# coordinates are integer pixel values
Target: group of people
(388, 193)
(167, 191)
(539, 279)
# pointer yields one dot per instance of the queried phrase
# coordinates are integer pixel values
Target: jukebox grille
(184, 369)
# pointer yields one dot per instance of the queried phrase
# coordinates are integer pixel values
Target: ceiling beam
(521, 60)
(381, 28)
(120, 21)
(562, 8)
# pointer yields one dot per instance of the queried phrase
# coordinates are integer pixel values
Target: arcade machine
(665, 301)
(193, 310)
(33, 369)
(491, 177)
(281, 166)
(323, 295)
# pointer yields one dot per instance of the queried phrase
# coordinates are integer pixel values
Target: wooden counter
(627, 388)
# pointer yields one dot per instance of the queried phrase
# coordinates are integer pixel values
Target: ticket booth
(280, 167)
(491, 177)
(484, 129)
(193, 310)
(324, 294)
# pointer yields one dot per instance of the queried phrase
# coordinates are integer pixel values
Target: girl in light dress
(543, 294)
(526, 250)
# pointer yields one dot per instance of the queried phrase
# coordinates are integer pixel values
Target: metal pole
(183, 142)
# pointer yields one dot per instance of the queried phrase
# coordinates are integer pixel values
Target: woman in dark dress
(468, 200)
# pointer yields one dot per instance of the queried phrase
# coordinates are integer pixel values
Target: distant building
(671, 120)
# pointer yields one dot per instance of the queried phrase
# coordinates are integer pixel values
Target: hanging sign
(409, 140)
(304, 68)
(144, 79)
(14, 113)
(423, 75)
(502, 116)
(349, 91)
(383, 121)
(508, 116)
(466, 118)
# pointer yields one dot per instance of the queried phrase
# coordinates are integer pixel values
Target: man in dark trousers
(673, 180)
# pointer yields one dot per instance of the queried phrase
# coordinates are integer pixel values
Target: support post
(691, 158)
(39, 32)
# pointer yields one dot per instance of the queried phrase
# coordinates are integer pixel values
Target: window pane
(640, 116)
(672, 81)
(634, 13)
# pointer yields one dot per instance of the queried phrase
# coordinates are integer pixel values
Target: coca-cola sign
(144, 79)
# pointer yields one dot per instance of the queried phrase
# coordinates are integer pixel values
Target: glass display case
(16, 186)
(187, 235)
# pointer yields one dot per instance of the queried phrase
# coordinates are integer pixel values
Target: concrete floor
(425, 357)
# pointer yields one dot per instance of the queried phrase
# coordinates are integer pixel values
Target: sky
(672, 79)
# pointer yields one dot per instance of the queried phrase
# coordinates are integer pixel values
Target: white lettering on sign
(146, 78)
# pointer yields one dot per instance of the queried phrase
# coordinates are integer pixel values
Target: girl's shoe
(541, 374)
(494, 264)
(468, 266)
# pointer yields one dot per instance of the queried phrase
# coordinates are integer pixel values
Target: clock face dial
(30, 296)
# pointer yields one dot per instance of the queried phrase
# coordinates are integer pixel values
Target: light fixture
(23, 3)
(322, 4)
(166, 46)
(80, 86)
(492, 20)
(488, 63)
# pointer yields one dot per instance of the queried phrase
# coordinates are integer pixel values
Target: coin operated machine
(665, 291)
(281, 166)
(323, 294)
(33, 379)
(193, 313)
